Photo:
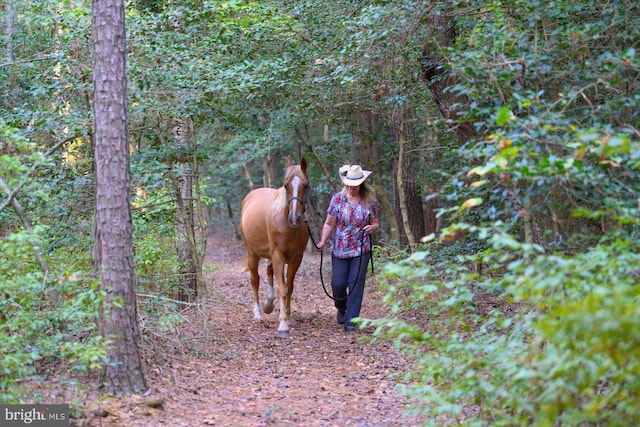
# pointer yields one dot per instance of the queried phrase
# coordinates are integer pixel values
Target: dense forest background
(504, 140)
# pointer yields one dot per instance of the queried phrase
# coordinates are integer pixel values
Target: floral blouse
(347, 240)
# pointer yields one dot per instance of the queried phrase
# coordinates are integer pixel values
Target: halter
(304, 202)
(307, 183)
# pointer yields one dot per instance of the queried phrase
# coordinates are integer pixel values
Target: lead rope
(324, 287)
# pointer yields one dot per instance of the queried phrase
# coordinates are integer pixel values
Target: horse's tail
(244, 263)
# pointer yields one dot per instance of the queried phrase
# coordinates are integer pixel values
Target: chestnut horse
(273, 227)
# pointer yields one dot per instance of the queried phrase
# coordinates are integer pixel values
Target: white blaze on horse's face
(297, 200)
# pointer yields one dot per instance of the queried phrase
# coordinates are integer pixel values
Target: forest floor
(220, 367)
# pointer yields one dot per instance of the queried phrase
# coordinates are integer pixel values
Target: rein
(324, 287)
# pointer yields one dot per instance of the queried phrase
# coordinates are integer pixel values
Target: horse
(272, 225)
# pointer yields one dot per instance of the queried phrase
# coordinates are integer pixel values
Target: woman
(353, 214)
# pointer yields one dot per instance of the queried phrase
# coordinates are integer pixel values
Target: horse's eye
(286, 186)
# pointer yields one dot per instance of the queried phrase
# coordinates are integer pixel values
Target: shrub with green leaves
(43, 317)
(36, 326)
(546, 332)
(154, 245)
(560, 347)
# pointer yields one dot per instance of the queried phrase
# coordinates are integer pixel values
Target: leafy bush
(42, 317)
(568, 354)
(546, 333)
(36, 326)
(155, 257)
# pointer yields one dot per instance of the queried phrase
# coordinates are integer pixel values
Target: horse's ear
(303, 165)
(288, 162)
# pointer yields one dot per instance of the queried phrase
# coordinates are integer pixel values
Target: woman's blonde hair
(367, 193)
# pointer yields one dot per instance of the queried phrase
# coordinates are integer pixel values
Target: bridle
(299, 199)
(303, 201)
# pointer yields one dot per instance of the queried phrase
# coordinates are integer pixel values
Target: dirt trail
(223, 368)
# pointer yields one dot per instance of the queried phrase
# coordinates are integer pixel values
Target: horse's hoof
(283, 334)
(268, 308)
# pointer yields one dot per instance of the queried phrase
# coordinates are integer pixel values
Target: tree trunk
(408, 200)
(182, 182)
(231, 217)
(187, 268)
(200, 217)
(364, 135)
(298, 150)
(189, 259)
(8, 21)
(113, 247)
(274, 176)
(438, 79)
(247, 174)
(430, 206)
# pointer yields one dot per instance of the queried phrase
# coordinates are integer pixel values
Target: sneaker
(340, 317)
(350, 328)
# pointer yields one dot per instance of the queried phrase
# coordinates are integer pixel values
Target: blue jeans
(347, 278)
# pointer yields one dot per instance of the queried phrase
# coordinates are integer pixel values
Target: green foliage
(42, 317)
(546, 333)
(19, 158)
(155, 257)
(558, 347)
(585, 346)
(36, 326)
(552, 92)
(45, 81)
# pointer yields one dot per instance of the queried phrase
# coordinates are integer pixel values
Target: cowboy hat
(353, 175)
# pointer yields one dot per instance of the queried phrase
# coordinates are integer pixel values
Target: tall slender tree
(191, 243)
(113, 247)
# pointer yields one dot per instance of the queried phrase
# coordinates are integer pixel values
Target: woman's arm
(327, 228)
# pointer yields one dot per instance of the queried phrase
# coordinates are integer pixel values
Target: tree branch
(319, 162)
(26, 223)
(27, 60)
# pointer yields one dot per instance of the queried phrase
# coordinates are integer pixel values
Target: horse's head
(296, 184)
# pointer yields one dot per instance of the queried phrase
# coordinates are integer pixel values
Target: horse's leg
(268, 306)
(278, 270)
(252, 263)
(292, 269)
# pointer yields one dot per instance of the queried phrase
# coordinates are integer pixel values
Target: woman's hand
(370, 228)
(374, 224)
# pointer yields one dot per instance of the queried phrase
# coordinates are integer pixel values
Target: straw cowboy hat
(353, 175)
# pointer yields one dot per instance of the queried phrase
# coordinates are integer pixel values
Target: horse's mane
(279, 201)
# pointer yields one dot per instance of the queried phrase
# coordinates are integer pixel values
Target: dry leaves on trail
(223, 368)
